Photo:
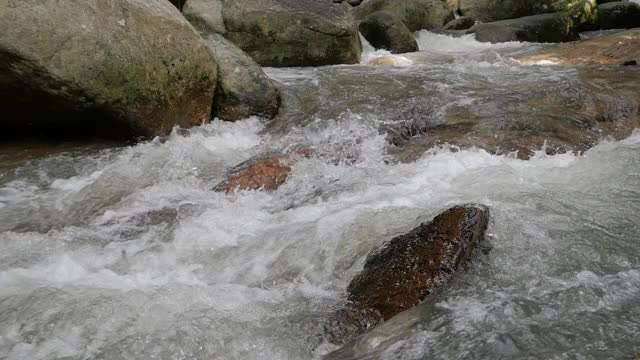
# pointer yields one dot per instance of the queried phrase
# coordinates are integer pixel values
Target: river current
(115, 252)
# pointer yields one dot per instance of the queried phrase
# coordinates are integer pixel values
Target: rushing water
(126, 253)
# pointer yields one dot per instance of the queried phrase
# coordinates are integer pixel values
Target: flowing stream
(125, 252)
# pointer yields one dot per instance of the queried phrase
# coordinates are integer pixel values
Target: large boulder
(106, 67)
(385, 31)
(494, 10)
(243, 89)
(409, 267)
(619, 15)
(554, 27)
(293, 32)
(544, 28)
(415, 14)
(205, 15)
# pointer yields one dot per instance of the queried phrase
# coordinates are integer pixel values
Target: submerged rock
(615, 49)
(265, 173)
(415, 14)
(293, 32)
(560, 26)
(409, 267)
(108, 68)
(385, 31)
(243, 89)
(385, 60)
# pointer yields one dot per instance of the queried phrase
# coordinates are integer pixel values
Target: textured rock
(495, 10)
(385, 31)
(105, 67)
(293, 32)
(205, 15)
(408, 268)
(555, 27)
(243, 89)
(415, 14)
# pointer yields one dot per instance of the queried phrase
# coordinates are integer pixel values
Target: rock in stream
(409, 267)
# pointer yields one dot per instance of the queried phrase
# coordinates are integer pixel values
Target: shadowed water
(126, 253)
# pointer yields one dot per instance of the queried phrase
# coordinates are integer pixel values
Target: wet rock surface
(609, 109)
(265, 173)
(613, 49)
(409, 267)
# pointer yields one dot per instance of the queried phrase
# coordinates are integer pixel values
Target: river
(124, 252)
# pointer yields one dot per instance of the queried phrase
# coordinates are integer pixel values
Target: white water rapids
(126, 253)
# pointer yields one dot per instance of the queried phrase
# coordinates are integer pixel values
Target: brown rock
(606, 108)
(610, 49)
(403, 272)
(265, 173)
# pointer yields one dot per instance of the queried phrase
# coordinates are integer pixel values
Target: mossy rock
(293, 32)
(415, 14)
(106, 67)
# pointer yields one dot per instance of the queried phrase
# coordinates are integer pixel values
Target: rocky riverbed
(210, 179)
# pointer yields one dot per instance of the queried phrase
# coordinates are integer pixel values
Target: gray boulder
(293, 32)
(205, 15)
(243, 89)
(619, 15)
(384, 30)
(542, 28)
(555, 27)
(415, 14)
(494, 10)
(107, 67)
